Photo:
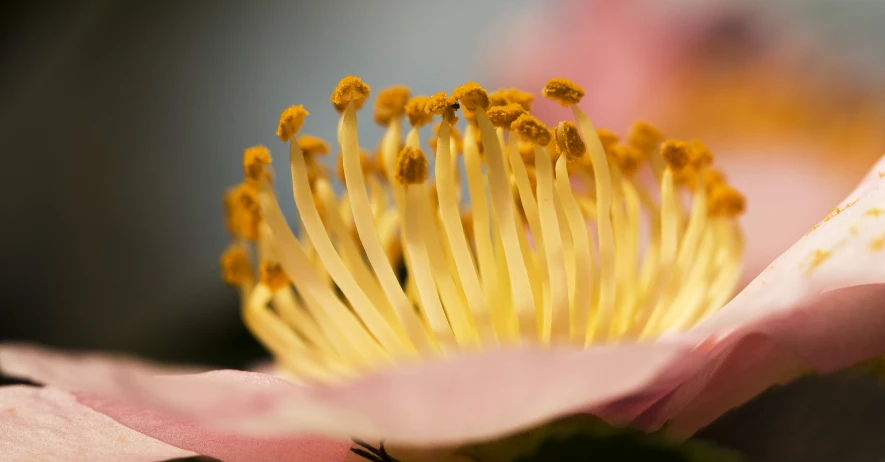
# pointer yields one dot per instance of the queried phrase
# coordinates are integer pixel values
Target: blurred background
(121, 124)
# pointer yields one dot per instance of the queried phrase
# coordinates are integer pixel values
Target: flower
(747, 77)
(397, 316)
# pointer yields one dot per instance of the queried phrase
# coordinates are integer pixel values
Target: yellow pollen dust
(510, 234)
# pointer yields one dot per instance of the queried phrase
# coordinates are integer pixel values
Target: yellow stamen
(559, 242)
(235, 269)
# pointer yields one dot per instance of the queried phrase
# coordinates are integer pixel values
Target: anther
(505, 96)
(235, 269)
(349, 89)
(645, 137)
(726, 201)
(676, 154)
(411, 166)
(532, 129)
(563, 91)
(415, 112)
(504, 116)
(255, 160)
(391, 104)
(568, 138)
(628, 158)
(291, 121)
(312, 146)
(273, 276)
(472, 96)
(443, 105)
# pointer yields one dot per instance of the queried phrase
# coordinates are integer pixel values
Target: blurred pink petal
(46, 424)
(224, 446)
(464, 399)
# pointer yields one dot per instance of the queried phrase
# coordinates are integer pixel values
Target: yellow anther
(235, 269)
(701, 156)
(291, 121)
(532, 129)
(505, 96)
(415, 112)
(628, 158)
(645, 137)
(712, 177)
(563, 91)
(312, 146)
(411, 166)
(724, 200)
(243, 214)
(255, 160)
(367, 164)
(472, 96)
(443, 105)
(677, 154)
(273, 276)
(391, 104)
(504, 116)
(349, 89)
(568, 138)
(607, 138)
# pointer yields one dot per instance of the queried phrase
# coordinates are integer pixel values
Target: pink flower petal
(834, 330)
(463, 399)
(846, 250)
(47, 424)
(224, 446)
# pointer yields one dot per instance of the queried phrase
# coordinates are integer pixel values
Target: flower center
(568, 237)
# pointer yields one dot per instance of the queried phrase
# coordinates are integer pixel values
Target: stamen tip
(391, 104)
(504, 116)
(291, 121)
(273, 276)
(472, 96)
(531, 129)
(563, 91)
(411, 166)
(568, 138)
(349, 89)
